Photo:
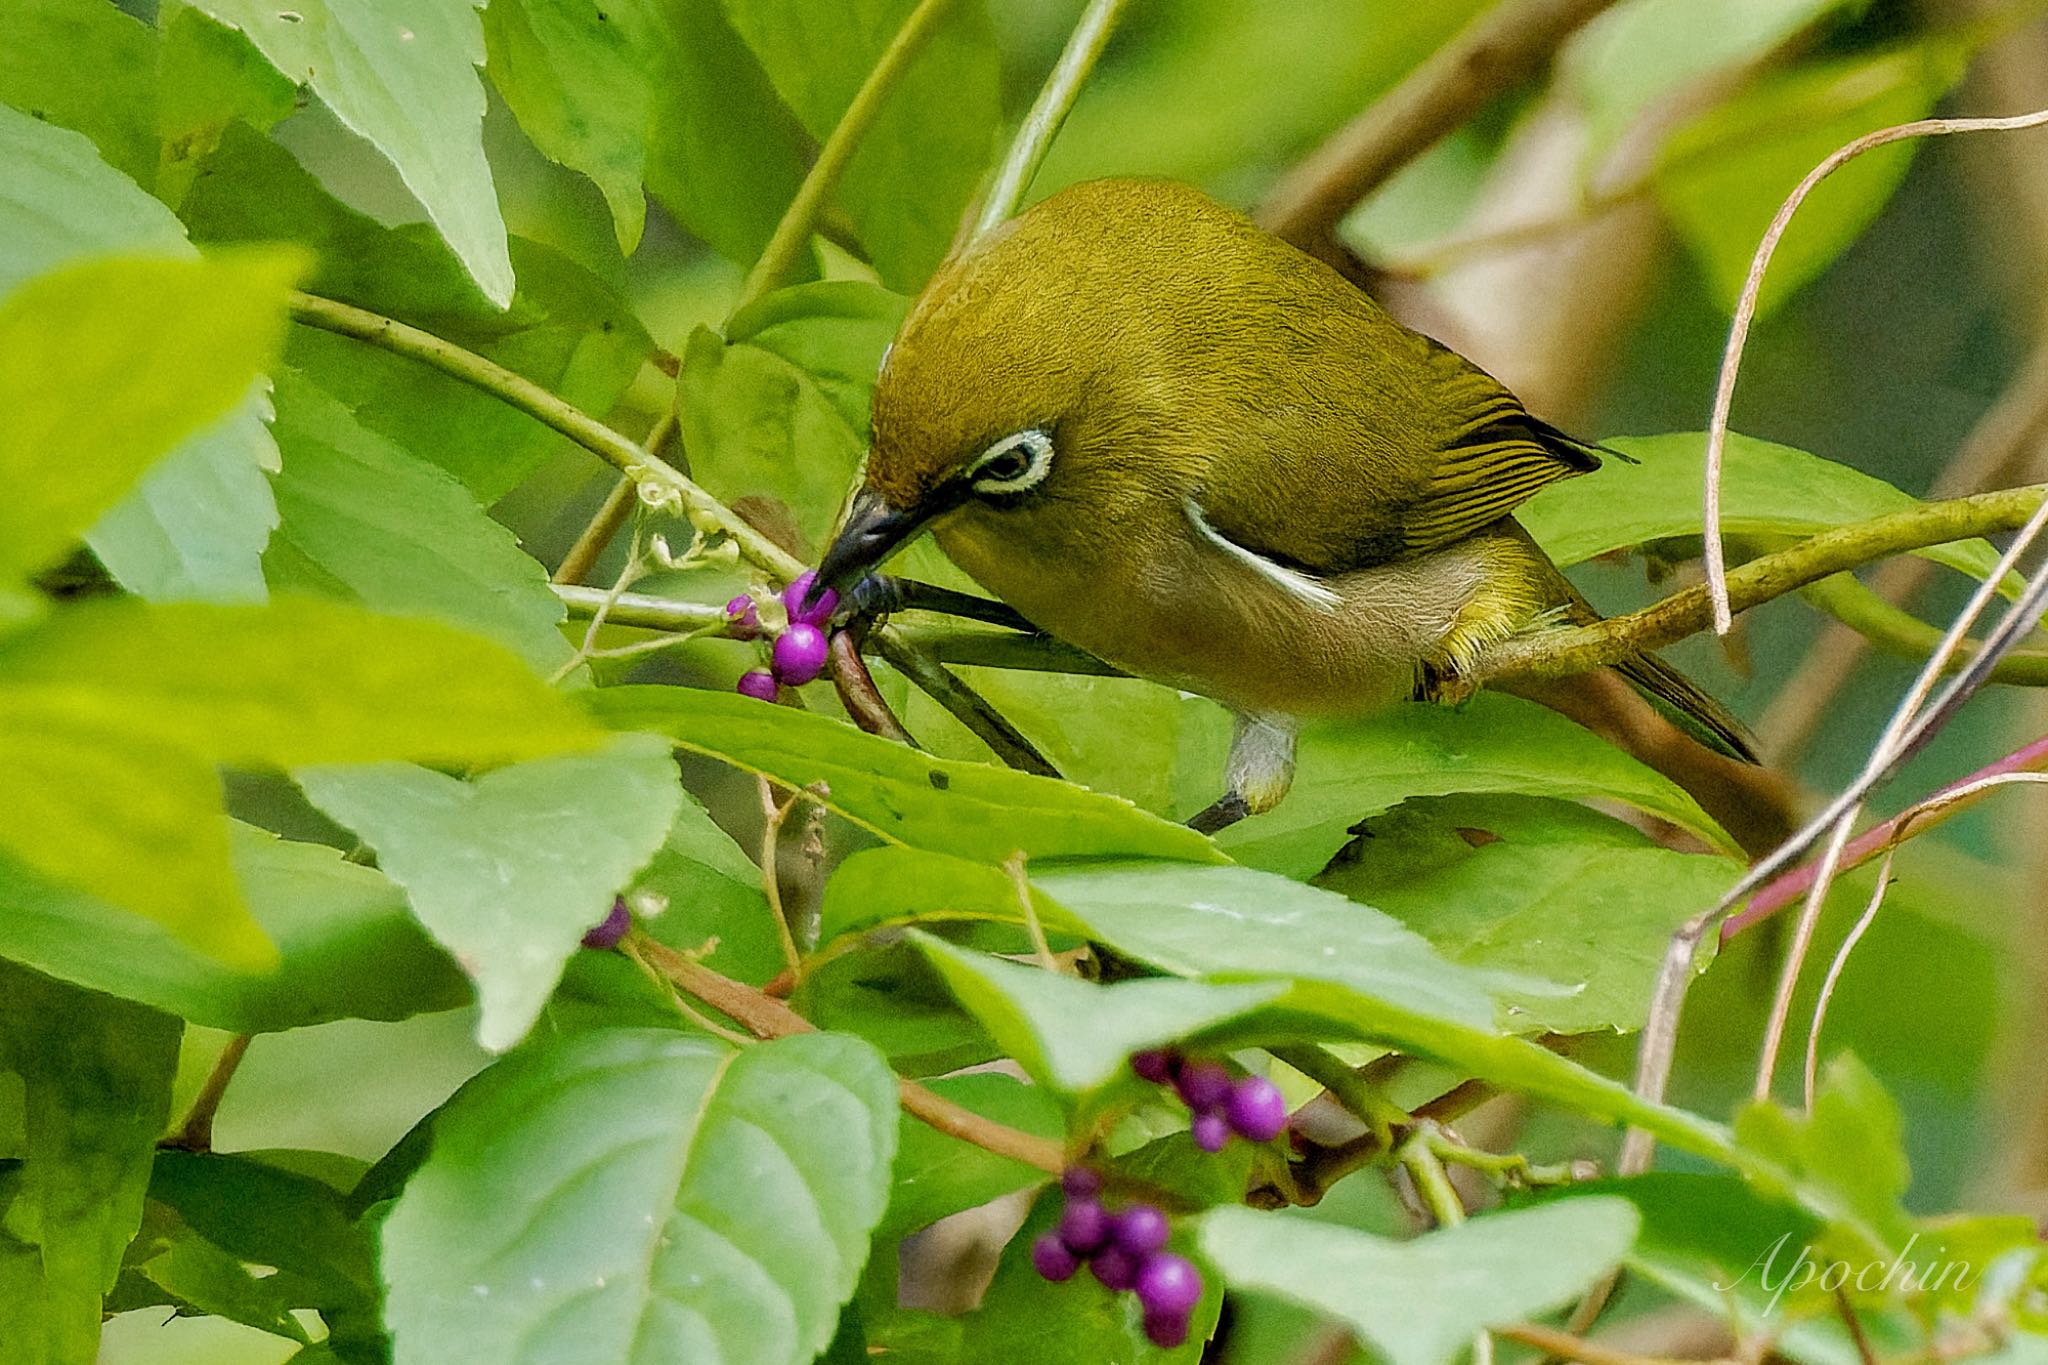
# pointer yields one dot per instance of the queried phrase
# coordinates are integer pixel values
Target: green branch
(800, 219)
(1900, 633)
(1048, 112)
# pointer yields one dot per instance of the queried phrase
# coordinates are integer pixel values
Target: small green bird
(1179, 443)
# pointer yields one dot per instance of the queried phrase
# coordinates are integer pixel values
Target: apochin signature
(1803, 1271)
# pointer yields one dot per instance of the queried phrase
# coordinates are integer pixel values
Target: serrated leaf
(1074, 1035)
(1494, 743)
(1535, 888)
(510, 870)
(1420, 1302)
(912, 174)
(96, 1073)
(403, 75)
(644, 1196)
(894, 792)
(109, 366)
(665, 94)
(348, 945)
(1723, 176)
(115, 713)
(363, 520)
(1766, 489)
(198, 521)
(566, 330)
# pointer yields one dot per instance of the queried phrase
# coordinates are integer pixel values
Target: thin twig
(1716, 563)
(1048, 111)
(1565, 1346)
(618, 506)
(766, 1017)
(1013, 867)
(1498, 50)
(631, 949)
(195, 1134)
(773, 813)
(1827, 985)
(1418, 1156)
(793, 233)
(863, 701)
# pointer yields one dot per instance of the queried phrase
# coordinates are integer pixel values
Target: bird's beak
(873, 528)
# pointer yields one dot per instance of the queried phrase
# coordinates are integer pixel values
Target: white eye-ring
(1015, 464)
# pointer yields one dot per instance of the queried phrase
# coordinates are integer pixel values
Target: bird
(1169, 438)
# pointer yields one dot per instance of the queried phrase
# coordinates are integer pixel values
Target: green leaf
(114, 714)
(709, 892)
(196, 524)
(1724, 175)
(510, 870)
(209, 77)
(1847, 1147)
(915, 170)
(1538, 888)
(782, 407)
(938, 1175)
(566, 330)
(1074, 1035)
(1766, 489)
(644, 1196)
(365, 521)
(402, 74)
(96, 1074)
(1421, 1302)
(111, 365)
(168, 1265)
(85, 65)
(660, 92)
(348, 945)
(903, 885)
(894, 792)
(1493, 743)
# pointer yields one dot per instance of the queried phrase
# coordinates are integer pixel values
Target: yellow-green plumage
(1261, 487)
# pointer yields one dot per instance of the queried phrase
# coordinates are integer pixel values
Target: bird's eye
(1015, 464)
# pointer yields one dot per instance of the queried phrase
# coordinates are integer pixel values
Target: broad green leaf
(709, 893)
(891, 995)
(363, 520)
(644, 1196)
(1494, 743)
(938, 1175)
(1724, 175)
(1848, 1145)
(660, 92)
(911, 177)
(114, 714)
(566, 330)
(402, 74)
(1537, 888)
(902, 885)
(348, 946)
(107, 367)
(88, 66)
(197, 522)
(169, 1265)
(894, 792)
(781, 408)
(1766, 489)
(209, 76)
(508, 871)
(96, 1073)
(1420, 1302)
(1074, 1035)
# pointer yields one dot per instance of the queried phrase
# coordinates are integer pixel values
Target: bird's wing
(1343, 491)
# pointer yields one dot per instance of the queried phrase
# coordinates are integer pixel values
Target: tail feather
(1682, 703)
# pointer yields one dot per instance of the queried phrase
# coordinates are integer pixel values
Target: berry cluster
(1124, 1250)
(798, 655)
(1250, 1106)
(608, 931)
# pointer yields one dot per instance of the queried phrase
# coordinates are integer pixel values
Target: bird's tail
(1681, 702)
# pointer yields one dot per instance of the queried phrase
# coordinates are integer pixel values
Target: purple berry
(1078, 1182)
(799, 654)
(758, 684)
(1140, 1229)
(1203, 1085)
(1166, 1330)
(1050, 1257)
(1256, 1109)
(1168, 1285)
(1154, 1064)
(1210, 1130)
(1084, 1226)
(613, 927)
(815, 613)
(746, 622)
(1115, 1267)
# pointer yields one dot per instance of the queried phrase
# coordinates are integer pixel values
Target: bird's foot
(1226, 811)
